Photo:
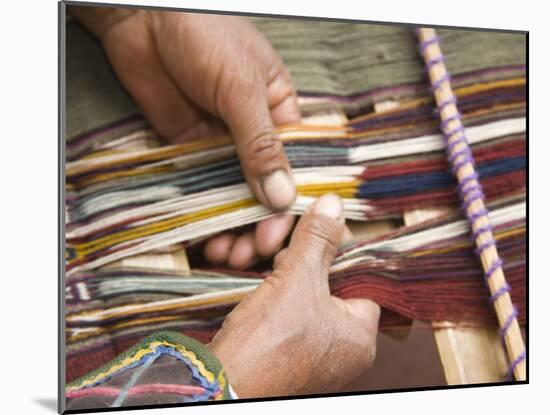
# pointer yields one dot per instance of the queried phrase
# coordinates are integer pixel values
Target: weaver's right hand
(290, 336)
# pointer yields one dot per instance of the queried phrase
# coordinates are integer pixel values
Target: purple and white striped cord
(469, 188)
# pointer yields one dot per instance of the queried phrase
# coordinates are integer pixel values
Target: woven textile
(163, 368)
(128, 192)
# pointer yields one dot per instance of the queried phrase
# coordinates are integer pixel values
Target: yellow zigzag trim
(139, 355)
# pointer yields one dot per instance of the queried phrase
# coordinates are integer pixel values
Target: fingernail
(329, 205)
(279, 190)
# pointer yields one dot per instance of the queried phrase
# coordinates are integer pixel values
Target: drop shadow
(48, 403)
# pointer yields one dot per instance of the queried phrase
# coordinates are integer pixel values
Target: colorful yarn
(138, 390)
(473, 193)
(405, 272)
(140, 363)
(130, 193)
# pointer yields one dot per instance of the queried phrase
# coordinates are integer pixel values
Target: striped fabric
(129, 192)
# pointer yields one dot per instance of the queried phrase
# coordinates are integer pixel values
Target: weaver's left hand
(193, 76)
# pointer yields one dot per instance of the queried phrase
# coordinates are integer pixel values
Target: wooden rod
(460, 156)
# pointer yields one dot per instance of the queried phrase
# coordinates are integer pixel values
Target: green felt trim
(202, 353)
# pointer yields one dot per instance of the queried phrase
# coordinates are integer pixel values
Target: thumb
(244, 108)
(315, 241)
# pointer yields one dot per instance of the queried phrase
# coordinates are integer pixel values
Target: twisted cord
(459, 155)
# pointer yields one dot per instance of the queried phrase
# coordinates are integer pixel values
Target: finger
(315, 241)
(347, 236)
(208, 127)
(287, 112)
(218, 248)
(138, 66)
(243, 252)
(243, 105)
(282, 98)
(271, 233)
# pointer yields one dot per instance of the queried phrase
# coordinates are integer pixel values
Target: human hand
(290, 336)
(193, 76)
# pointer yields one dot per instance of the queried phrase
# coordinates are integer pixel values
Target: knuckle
(223, 96)
(279, 257)
(323, 231)
(370, 354)
(234, 84)
(369, 348)
(287, 77)
(264, 146)
(274, 284)
(229, 321)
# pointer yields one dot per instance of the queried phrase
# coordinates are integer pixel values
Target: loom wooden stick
(471, 192)
(468, 355)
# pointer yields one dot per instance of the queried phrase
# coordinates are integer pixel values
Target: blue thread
(497, 264)
(473, 194)
(118, 372)
(162, 350)
(465, 152)
(457, 117)
(508, 323)
(521, 357)
(468, 159)
(434, 61)
(470, 178)
(133, 379)
(422, 47)
(449, 134)
(467, 186)
(476, 215)
(499, 293)
(194, 370)
(480, 230)
(467, 190)
(470, 195)
(452, 144)
(449, 101)
(202, 397)
(437, 84)
(485, 245)
(408, 184)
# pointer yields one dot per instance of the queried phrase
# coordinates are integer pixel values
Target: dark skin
(200, 75)
(291, 336)
(196, 76)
